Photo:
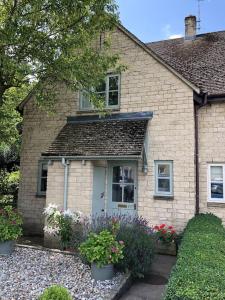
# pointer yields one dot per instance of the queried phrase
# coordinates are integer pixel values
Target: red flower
(156, 227)
(173, 231)
(163, 231)
(162, 226)
(170, 227)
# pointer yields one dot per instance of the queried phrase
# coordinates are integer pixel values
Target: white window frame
(40, 177)
(107, 94)
(210, 199)
(164, 162)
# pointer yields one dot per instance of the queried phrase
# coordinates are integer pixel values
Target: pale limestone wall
(145, 86)
(80, 179)
(211, 150)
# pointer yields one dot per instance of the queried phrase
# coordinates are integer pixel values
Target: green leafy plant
(200, 269)
(61, 223)
(164, 233)
(138, 251)
(102, 248)
(10, 224)
(55, 292)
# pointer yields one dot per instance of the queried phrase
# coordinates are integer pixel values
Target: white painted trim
(163, 162)
(209, 198)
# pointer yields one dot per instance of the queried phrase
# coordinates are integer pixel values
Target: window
(42, 178)
(164, 178)
(216, 177)
(108, 89)
(123, 184)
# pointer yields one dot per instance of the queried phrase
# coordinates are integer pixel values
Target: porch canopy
(95, 137)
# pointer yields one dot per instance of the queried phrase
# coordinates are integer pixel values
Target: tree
(50, 41)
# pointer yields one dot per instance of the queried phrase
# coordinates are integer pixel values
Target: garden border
(114, 294)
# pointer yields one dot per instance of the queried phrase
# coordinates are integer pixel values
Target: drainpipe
(65, 163)
(196, 111)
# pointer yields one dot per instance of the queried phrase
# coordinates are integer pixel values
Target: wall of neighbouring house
(211, 150)
(145, 86)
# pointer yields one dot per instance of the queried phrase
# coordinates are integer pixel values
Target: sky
(154, 20)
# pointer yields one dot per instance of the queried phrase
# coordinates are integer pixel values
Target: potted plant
(102, 251)
(10, 229)
(165, 239)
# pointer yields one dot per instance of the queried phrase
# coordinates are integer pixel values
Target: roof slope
(200, 61)
(100, 138)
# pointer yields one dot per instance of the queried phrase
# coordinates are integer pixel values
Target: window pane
(117, 174)
(44, 171)
(164, 170)
(43, 184)
(101, 87)
(113, 98)
(113, 83)
(164, 185)
(85, 103)
(216, 173)
(128, 175)
(128, 193)
(217, 190)
(116, 193)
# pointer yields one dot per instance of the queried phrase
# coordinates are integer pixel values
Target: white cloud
(175, 36)
(167, 32)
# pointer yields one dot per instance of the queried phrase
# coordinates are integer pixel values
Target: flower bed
(27, 272)
(200, 269)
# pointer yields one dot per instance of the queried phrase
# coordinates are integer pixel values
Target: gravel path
(27, 272)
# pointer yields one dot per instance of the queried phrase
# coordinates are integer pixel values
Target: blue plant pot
(7, 248)
(104, 273)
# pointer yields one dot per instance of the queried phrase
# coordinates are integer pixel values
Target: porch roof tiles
(98, 138)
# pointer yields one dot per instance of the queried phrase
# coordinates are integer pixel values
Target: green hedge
(200, 269)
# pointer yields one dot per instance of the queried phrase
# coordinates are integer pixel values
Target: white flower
(68, 213)
(51, 230)
(50, 209)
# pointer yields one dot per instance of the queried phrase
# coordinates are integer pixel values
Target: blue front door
(122, 188)
(98, 199)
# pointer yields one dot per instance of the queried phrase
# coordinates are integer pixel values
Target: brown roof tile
(201, 61)
(105, 138)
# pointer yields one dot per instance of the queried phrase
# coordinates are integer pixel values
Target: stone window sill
(161, 197)
(80, 111)
(40, 196)
(216, 204)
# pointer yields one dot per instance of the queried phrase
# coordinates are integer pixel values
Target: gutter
(196, 119)
(65, 163)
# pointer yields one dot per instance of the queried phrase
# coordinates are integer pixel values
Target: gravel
(27, 272)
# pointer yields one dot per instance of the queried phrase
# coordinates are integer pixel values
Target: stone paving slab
(141, 290)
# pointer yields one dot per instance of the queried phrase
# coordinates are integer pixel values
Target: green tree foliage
(50, 41)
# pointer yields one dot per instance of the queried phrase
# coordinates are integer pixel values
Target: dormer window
(109, 89)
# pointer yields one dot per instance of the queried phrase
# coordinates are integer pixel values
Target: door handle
(135, 206)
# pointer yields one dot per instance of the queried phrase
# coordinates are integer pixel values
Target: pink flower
(114, 250)
(121, 242)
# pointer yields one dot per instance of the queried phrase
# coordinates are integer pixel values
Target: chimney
(190, 27)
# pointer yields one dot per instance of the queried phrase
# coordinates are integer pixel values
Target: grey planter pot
(103, 273)
(7, 247)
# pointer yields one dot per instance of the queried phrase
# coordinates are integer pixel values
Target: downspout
(65, 163)
(196, 111)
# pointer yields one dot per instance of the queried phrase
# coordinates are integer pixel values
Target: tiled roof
(100, 138)
(201, 61)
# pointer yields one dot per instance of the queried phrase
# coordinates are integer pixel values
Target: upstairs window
(42, 178)
(216, 181)
(163, 178)
(109, 90)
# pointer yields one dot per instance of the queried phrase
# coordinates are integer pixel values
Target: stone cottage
(159, 154)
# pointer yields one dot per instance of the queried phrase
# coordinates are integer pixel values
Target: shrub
(200, 269)
(55, 292)
(10, 224)
(61, 223)
(164, 233)
(102, 248)
(138, 251)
